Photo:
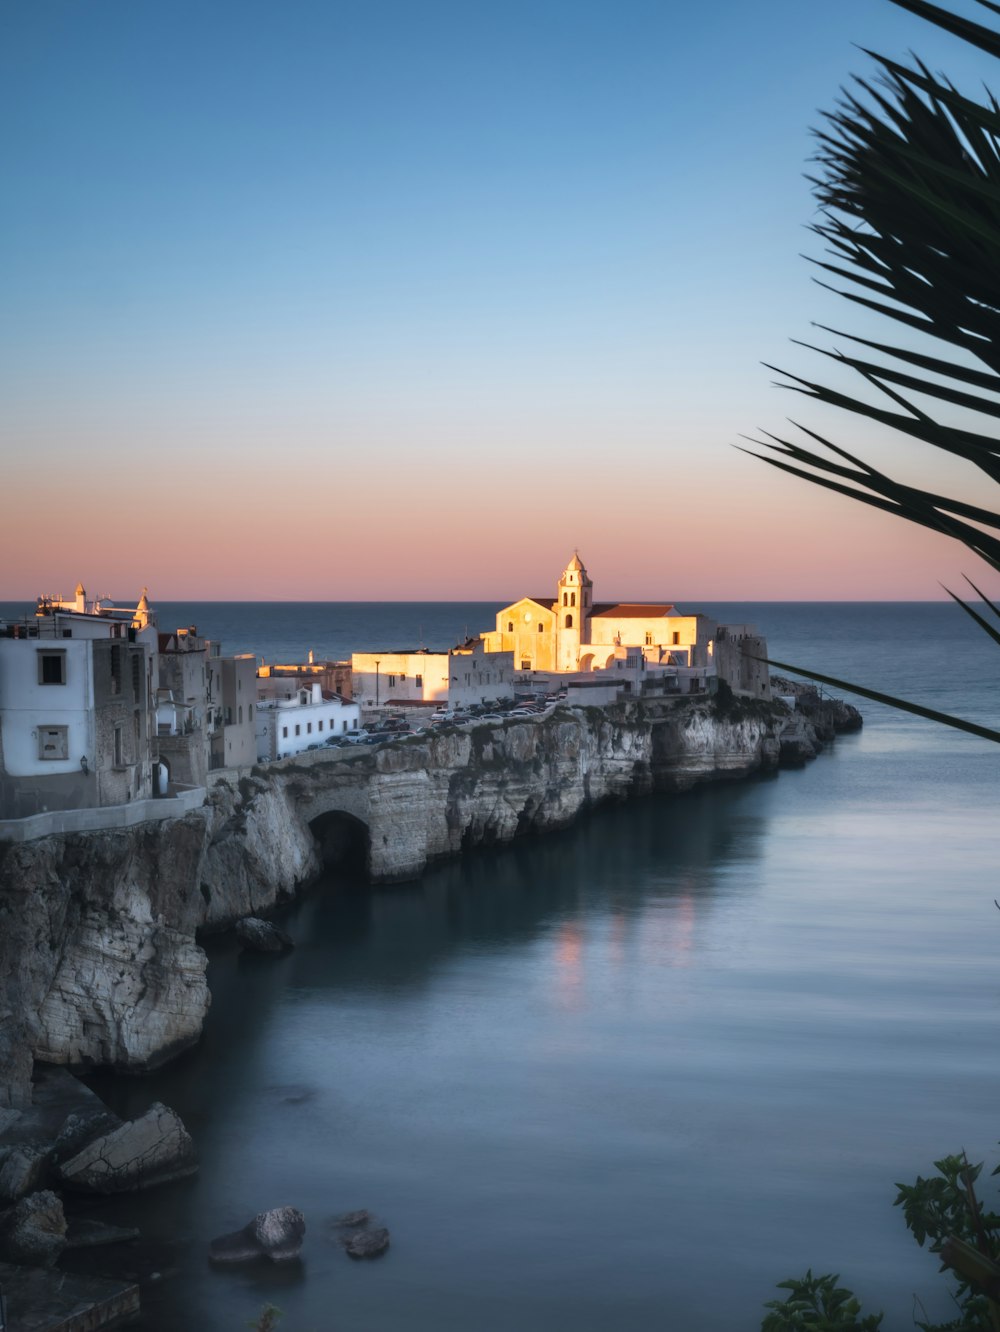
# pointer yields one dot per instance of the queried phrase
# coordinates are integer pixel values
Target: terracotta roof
(630, 610)
(547, 602)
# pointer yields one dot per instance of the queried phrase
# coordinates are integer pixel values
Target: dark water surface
(630, 1075)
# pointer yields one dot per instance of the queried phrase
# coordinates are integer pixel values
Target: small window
(510, 626)
(119, 748)
(250, 711)
(649, 639)
(52, 668)
(53, 742)
(541, 628)
(298, 729)
(419, 681)
(392, 682)
(116, 668)
(572, 598)
(309, 728)
(676, 638)
(136, 676)
(284, 733)
(569, 622)
(319, 724)
(239, 715)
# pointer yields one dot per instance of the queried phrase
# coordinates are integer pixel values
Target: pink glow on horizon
(788, 544)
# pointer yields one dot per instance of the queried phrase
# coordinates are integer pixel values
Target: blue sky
(416, 252)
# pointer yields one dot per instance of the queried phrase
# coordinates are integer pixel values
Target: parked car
(355, 737)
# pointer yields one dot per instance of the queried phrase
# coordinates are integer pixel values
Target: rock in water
(353, 1219)
(367, 1243)
(139, 1154)
(276, 1234)
(261, 936)
(34, 1231)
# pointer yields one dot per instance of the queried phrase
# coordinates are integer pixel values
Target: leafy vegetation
(942, 1212)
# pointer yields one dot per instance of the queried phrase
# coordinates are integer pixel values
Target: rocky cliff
(99, 962)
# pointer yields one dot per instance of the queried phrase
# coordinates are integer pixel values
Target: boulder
(260, 936)
(80, 1128)
(367, 1243)
(24, 1170)
(275, 1234)
(33, 1232)
(84, 1233)
(352, 1219)
(137, 1155)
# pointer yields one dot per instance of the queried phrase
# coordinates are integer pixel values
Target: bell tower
(573, 605)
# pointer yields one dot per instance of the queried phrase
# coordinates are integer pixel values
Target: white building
(308, 716)
(77, 730)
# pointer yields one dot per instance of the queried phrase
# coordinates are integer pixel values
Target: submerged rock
(87, 1234)
(355, 1219)
(137, 1155)
(367, 1243)
(260, 936)
(276, 1234)
(34, 1231)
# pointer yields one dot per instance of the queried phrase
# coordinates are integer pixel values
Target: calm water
(625, 1076)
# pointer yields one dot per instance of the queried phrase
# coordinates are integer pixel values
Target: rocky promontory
(99, 960)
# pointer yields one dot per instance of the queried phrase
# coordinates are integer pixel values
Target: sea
(625, 1076)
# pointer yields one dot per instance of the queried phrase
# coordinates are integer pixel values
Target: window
(239, 715)
(298, 729)
(136, 676)
(284, 733)
(565, 598)
(119, 748)
(53, 742)
(52, 668)
(419, 681)
(250, 711)
(649, 639)
(569, 622)
(676, 637)
(541, 628)
(319, 724)
(309, 728)
(572, 598)
(392, 681)
(116, 668)
(510, 626)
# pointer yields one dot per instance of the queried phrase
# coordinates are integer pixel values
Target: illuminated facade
(572, 632)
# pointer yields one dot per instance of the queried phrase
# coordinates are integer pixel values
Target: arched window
(569, 622)
(565, 598)
(541, 628)
(572, 598)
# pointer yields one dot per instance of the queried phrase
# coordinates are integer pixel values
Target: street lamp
(376, 684)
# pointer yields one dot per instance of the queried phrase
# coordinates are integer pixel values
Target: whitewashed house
(305, 718)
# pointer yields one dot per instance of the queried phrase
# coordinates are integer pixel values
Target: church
(572, 632)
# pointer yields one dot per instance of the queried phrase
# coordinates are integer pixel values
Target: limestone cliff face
(98, 958)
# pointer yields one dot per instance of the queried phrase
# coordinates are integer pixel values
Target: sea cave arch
(344, 843)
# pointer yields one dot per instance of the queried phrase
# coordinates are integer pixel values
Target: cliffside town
(152, 788)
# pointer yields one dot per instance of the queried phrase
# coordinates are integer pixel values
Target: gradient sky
(407, 299)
